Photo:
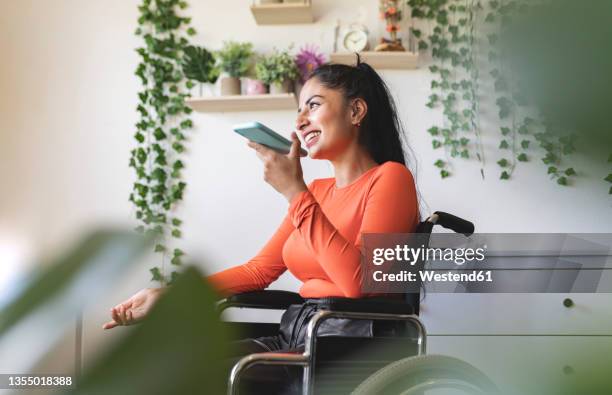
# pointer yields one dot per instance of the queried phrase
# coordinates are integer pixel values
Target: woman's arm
(391, 207)
(259, 271)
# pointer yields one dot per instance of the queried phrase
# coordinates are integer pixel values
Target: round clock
(356, 38)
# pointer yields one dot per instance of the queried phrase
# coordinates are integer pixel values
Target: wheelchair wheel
(427, 374)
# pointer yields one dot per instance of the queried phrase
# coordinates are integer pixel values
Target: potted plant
(198, 64)
(251, 84)
(234, 61)
(307, 60)
(278, 70)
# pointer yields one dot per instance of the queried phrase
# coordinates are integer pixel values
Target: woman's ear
(359, 109)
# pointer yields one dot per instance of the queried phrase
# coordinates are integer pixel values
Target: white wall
(67, 110)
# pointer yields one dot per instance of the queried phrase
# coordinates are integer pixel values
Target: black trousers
(262, 379)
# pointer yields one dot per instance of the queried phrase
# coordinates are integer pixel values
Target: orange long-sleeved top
(319, 241)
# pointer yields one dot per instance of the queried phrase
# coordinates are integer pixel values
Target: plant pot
(230, 86)
(284, 87)
(255, 87)
(297, 87)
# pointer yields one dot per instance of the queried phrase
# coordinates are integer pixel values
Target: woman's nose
(301, 121)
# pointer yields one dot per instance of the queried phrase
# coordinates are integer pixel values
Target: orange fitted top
(319, 241)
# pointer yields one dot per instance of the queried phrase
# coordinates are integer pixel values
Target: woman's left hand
(283, 172)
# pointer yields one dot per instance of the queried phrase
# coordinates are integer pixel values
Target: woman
(346, 116)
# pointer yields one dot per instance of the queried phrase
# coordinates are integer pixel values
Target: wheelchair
(341, 372)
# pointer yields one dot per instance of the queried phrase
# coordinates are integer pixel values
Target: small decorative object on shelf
(390, 12)
(199, 65)
(356, 38)
(254, 87)
(278, 70)
(234, 60)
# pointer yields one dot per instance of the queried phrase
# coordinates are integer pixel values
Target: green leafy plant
(462, 38)
(161, 130)
(278, 67)
(199, 65)
(234, 58)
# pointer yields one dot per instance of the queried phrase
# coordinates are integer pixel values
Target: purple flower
(307, 60)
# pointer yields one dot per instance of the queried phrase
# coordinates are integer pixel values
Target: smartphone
(263, 135)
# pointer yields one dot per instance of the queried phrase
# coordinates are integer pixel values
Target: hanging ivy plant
(462, 38)
(161, 129)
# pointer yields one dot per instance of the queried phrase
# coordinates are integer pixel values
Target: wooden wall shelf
(380, 60)
(282, 13)
(268, 102)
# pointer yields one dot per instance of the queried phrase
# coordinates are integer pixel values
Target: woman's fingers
(123, 316)
(115, 314)
(110, 325)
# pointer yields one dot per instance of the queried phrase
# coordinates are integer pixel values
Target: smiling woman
(346, 116)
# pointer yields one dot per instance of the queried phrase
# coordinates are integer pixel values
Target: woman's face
(324, 121)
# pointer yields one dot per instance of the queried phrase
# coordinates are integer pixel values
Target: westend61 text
(433, 276)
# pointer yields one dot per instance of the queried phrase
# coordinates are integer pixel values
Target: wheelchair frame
(307, 358)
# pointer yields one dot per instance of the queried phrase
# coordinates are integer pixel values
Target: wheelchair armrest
(366, 305)
(268, 299)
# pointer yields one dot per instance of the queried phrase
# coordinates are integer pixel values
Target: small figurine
(390, 12)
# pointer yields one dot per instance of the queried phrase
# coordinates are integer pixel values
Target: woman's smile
(311, 137)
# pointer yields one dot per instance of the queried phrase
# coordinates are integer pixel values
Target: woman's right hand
(135, 308)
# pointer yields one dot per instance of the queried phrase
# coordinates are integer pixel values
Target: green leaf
(159, 248)
(504, 175)
(552, 170)
(562, 181)
(504, 144)
(444, 174)
(434, 130)
(178, 147)
(178, 252)
(608, 178)
(191, 31)
(610, 191)
(503, 162)
(570, 171)
(610, 158)
(525, 144)
(175, 261)
(464, 141)
(436, 144)
(176, 222)
(139, 137)
(505, 131)
(522, 157)
(465, 154)
(157, 276)
(439, 163)
(176, 233)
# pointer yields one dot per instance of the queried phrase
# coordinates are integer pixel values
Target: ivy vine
(161, 129)
(462, 38)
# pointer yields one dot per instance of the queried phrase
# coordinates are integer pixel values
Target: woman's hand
(283, 172)
(135, 308)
